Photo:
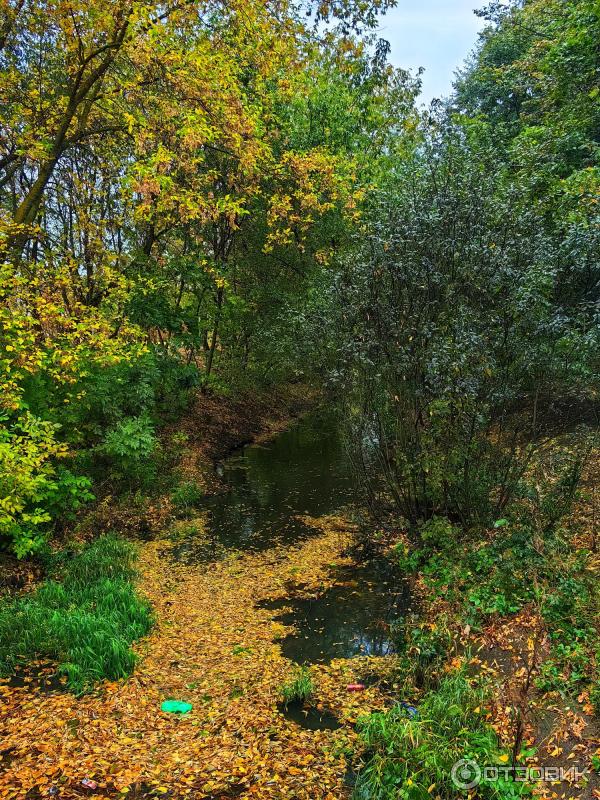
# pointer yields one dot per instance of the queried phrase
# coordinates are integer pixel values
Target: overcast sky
(435, 34)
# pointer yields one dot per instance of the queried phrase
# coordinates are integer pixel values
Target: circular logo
(466, 774)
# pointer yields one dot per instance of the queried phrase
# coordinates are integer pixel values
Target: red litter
(355, 687)
(89, 783)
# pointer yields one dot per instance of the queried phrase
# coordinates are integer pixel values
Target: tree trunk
(215, 333)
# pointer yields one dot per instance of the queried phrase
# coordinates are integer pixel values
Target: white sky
(435, 34)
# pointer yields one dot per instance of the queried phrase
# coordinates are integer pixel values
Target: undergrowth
(412, 756)
(84, 618)
(525, 560)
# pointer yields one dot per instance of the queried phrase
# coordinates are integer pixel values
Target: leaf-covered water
(303, 472)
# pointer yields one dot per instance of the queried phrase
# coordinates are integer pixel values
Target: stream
(304, 470)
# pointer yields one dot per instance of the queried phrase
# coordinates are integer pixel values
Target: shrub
(33, 490)
(130, 446)
(187, 495)
(438, 533)
(107, 394)
(85, 619)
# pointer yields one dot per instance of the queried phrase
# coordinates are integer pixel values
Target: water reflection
(304, 470)
(351, 618)
(310, 717)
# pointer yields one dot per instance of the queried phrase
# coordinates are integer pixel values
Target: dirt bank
(215, 425)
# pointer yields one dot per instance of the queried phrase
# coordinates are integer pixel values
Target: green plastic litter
(176, 707)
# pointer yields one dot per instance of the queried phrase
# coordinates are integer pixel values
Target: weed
(424, 649)
(241, 650)
(412, 756)
(300, 688)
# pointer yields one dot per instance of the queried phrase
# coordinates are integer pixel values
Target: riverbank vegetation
(480, 263)
(85, 618)
(212, 216)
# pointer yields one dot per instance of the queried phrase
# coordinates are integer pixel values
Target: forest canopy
(170, 176)
(202, 194)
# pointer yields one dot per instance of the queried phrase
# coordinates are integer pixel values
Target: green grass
(412, 757)
(300, 688)
(85, 619)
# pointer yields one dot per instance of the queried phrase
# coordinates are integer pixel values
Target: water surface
(302, 471)
(352, 618)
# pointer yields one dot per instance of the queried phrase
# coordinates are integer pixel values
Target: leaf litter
(213, 648)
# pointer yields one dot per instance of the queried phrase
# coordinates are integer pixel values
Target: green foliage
(570, 610)
(528, 559)
(130, 446)
(424, 649)
(412, 756)
(186, 496)
(457, 328)
(85, 618)
(534, 80)
(300, 688)
(438, 533)
(34, 491)
(468, 307)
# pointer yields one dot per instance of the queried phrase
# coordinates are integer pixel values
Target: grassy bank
(515, 605)
(412, 754)
(84, 618)
(80, 609)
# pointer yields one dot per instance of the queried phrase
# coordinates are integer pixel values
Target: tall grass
(85, 619)
(412, 757)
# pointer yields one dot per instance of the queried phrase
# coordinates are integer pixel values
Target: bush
(106, 395)
(130, 446)
(33, 490)
(85, 619)
(438, 533)
(455, 315)
(187, 495)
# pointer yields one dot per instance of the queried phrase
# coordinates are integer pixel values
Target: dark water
(303, 471)
(310, 717)
(352, 618)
